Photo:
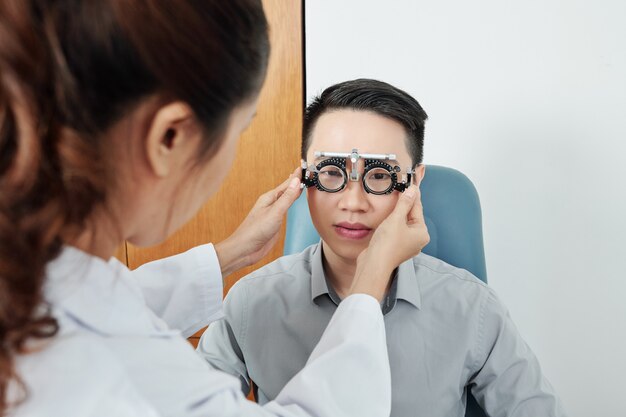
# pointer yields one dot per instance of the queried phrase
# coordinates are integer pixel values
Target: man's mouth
(352, 230)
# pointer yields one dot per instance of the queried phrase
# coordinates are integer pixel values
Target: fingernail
(294, 183)
(410, 192)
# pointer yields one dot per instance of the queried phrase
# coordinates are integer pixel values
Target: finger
(271, 196)
(268, 198)
(288, 196)
(296, 173)
(405, 202)
(416, 214)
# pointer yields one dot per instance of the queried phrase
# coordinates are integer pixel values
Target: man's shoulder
(429, 270)
(464, 295)
(280, 274)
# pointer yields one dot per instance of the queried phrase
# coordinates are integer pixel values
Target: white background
(528, 99)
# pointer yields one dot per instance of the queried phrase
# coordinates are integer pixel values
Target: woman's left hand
(259, 231)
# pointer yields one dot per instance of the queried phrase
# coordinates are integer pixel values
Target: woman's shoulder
(74, 373)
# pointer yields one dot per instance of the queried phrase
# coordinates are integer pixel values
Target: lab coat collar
(403, 287)
(100, 296)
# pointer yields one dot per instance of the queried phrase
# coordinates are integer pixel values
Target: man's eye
(332, 173)
(379, 176)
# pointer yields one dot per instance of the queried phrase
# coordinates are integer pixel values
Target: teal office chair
(453, 217)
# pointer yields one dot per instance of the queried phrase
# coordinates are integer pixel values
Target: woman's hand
(259, 231)
(401, 236)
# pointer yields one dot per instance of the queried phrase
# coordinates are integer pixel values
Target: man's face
(347, 219)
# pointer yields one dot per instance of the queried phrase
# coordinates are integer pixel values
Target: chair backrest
(453, 217)
(451, 210)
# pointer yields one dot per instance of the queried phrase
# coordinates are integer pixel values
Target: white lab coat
(117, 354)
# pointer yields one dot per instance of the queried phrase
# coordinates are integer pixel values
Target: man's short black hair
(374, 96)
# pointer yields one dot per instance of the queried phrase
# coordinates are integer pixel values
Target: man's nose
(354, 197)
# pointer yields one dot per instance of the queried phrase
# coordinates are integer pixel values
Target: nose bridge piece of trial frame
(354, 157)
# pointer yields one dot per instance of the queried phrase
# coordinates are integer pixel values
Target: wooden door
(267, 153)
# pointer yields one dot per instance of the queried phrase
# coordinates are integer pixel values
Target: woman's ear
(169, 138)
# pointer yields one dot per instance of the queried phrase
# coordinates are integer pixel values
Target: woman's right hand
(401, 236)
(260, 230)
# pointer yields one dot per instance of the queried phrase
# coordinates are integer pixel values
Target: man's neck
(339, 271)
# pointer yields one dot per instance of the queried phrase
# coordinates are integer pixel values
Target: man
(447, 332)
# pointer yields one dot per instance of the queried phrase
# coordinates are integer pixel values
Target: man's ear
(420, 171)
(168, 137)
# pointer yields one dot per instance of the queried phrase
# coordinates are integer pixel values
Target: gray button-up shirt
(447, 333)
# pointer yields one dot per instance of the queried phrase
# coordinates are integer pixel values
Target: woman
(117, 121)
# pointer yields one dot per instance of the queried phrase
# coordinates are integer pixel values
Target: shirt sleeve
(509, 381)
(346, 375)
(348, 371)
(219, 346)
(184, 290)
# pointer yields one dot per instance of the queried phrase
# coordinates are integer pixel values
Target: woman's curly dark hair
(69, 69)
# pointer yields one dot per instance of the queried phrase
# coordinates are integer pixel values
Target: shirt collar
(318, 278)
(99, 295)
(403, 287)
(408, 288)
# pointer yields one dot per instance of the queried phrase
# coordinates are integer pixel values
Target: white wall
(529, 100)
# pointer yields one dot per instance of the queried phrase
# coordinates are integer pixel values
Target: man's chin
(347, 250)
